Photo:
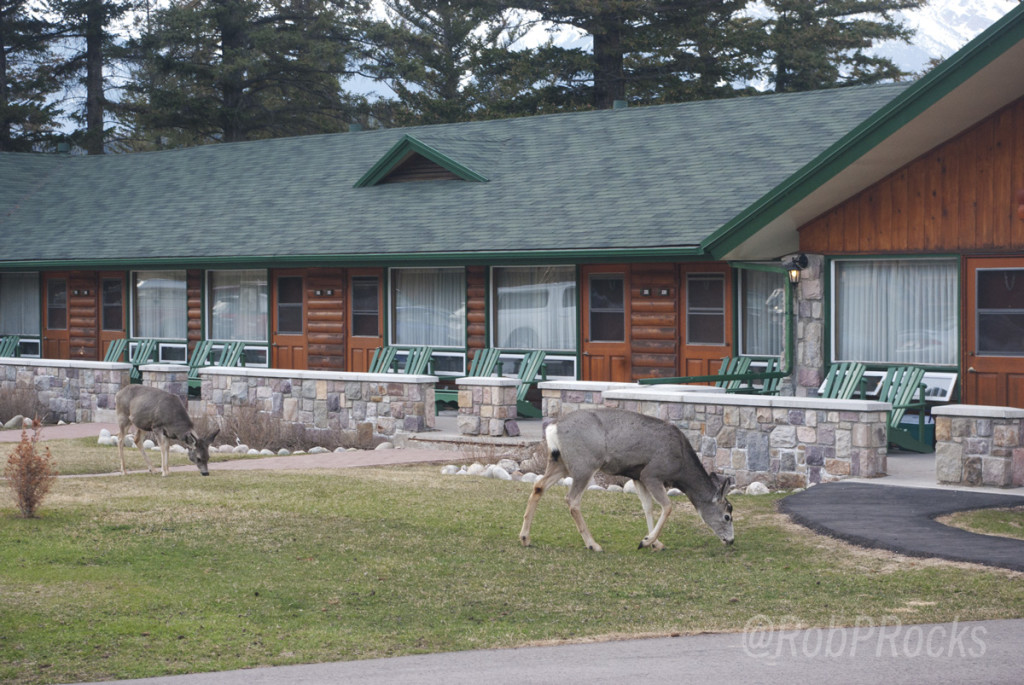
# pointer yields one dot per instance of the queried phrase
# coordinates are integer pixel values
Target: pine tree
(231, 70)
(28, 112)
(813, 45)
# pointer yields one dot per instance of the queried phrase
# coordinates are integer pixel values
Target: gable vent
(418, 168)
(412, 160)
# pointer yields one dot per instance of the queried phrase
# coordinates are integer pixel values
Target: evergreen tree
(231, 70)
(28, 114)
(813, 45)
(433, 53)
(86, 28)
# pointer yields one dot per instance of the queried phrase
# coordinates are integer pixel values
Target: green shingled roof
(650, 180)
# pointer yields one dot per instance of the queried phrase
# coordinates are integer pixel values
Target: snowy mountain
(942, 27)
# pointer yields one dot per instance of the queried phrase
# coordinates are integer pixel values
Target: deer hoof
(525, 539)
(595, 548)
(655, 545)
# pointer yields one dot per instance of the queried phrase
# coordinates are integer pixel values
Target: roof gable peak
(411, 160)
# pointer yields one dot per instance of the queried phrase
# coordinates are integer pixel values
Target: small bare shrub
(22, 402)
(29, 473)
(249, 426)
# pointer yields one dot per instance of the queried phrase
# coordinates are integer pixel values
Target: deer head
(717, 513)
(199, 449)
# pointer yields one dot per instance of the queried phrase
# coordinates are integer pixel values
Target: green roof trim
(937, 84)
(402, 150)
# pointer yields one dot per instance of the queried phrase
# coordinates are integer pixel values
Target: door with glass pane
(56, 333)
(994, 350)
(290, 344)
(605, 302)
(365, 321)
(111, 302)
(706, 319)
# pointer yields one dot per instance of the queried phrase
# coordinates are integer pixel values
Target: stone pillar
(979, 445)
(487, 406)
(170, 377)
(810, 328)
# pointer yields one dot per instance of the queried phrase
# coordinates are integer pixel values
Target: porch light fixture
(794, 266)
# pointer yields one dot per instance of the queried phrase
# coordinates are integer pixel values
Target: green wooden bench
(844, 379)
(771, 386)
(10, 346)
(530, 369)
(484, 363)
(200, 358)
(899, 388)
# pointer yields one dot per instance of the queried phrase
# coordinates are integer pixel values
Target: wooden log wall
(325, 319)
(83, 315)
(194, 304)
(959, 197)
(654, 321)
(476, 308)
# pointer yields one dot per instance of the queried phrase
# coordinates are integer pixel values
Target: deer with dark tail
(650, 451)
(163, 414)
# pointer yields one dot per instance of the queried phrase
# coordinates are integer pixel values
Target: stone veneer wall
(784, 442)
(487, 406)
(73, 391)
(979, 445)
(321, 399)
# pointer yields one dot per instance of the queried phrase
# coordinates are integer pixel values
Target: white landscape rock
(385, 446)
(283, 452)
(530, 477)
(319, 450)
(178, 449)
(476, 469)
(498, 473)
(449, 470)
(267, 453)
(629, 487)
(241, 449)
(756, 488)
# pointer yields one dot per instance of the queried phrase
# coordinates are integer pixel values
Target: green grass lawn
(143, 575)
(1004, 522)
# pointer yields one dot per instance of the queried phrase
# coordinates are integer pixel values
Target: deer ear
(210, 436)
(191, 438)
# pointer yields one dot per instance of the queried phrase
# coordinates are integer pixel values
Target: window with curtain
(429, 307)
(535, 307)
(19, 304)
(900, 310)
(160, 305)
(705, 309)
(237, 303)
(762, 312)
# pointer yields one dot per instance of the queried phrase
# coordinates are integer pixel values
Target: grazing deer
(623, 443)
(158, 411)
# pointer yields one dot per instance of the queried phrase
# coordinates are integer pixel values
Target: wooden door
(605, 324)
(365, 317)
(994, 332)
(706, 318)
(290, 344)
(56, 333)
(110, 302)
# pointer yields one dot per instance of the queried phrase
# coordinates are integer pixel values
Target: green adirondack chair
(899, 388)
(10, 346)
(771, 386)
(232, 354)
(732, 366)
(418, 361)
(200, 358)
(844, 379)
(531, 367)
(144, 353)
(115, 350)
(383, 359)
(484, 363)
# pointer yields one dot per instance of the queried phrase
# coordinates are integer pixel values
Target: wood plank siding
(959, 197)
(476, 307)
(83, 315)
(654, 320)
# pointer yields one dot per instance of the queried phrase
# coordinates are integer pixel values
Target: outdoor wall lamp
(794, 266)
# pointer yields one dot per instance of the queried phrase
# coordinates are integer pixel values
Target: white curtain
(902, 311)
(429, 307)
(238, 305)
(763, 312)
(535, 308)
(19, 304)
(161, 309)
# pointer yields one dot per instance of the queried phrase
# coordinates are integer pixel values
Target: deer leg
(553, 472)
(647, 502)
(120, 447)
(165, 452)
(138, 443)
(579, 486)
(657, 491)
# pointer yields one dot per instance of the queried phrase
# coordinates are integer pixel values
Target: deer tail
(551, 436)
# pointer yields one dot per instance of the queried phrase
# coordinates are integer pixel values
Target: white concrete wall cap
(345, 376)
(492, 381)
(584, 386)
(978, 411)
(64, 363)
